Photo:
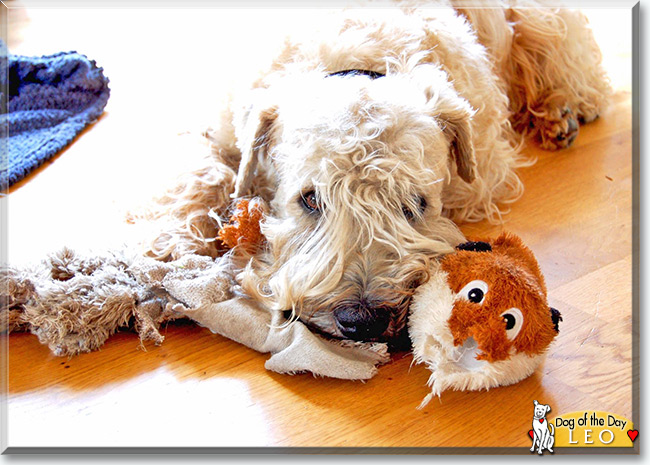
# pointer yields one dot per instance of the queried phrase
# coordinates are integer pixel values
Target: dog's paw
(587, 114)
(557, 129)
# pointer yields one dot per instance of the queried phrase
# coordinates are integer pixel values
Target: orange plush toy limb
(483, 319)
(243, 227)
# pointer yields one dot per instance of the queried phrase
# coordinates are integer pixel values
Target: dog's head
(541, 410)
(356, 168)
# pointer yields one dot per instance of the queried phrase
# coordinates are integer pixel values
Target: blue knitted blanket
(45, 101)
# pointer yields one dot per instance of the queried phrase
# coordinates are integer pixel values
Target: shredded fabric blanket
(75, 303)
(50, 100)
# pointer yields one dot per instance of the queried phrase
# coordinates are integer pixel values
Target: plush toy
(483, 319)
(243, 227)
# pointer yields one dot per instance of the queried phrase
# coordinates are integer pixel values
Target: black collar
(358, 72)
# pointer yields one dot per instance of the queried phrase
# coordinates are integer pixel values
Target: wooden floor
(199, 389)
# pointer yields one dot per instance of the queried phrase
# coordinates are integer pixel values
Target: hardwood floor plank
(605, 293)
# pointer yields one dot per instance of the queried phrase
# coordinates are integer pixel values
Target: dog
(371, 139)
(542, 435)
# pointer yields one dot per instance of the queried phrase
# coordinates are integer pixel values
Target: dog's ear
(454, 115)
(548, 408)
(536, 403)
(456, 125)
(254, 137)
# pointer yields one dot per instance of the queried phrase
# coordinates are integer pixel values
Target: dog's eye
(408, 214)
(422, 205)
(514, 320)
(474, 291)
(310, 201)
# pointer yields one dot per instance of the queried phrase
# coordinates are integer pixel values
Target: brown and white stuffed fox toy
(483, 319)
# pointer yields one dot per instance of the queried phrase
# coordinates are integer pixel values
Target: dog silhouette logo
(543, 432)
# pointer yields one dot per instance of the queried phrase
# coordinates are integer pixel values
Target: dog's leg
(535, 440)
(186, 218)
(554, 73)
(550, 64)
(542, 442)
(551, 441)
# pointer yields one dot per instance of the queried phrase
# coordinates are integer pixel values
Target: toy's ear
(472, 246)
(512, 246)
(510, 243)
(536, 403)
(548, 408)
(254, 137)
(556, 317)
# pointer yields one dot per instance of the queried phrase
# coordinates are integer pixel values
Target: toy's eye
(514, 320)
(474, 291)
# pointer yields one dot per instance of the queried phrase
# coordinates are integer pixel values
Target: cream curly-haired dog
(371, 138)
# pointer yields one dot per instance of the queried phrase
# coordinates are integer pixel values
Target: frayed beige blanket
(74, 303)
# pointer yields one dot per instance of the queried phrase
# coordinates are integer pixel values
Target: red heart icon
(541, 420)
(632, 434)
(531, 434)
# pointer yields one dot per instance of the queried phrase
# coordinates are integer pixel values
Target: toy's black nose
(362, 322)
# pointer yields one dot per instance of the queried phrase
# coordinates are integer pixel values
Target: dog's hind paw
(557, 129)
(587, 114)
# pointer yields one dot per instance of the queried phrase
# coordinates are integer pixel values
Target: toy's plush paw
(243, 227)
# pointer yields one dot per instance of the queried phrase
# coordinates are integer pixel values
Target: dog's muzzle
(361, 322)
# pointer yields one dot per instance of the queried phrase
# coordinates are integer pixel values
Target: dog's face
(541, 410)
(357, 168)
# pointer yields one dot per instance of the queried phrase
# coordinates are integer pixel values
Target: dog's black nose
(362, 323)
